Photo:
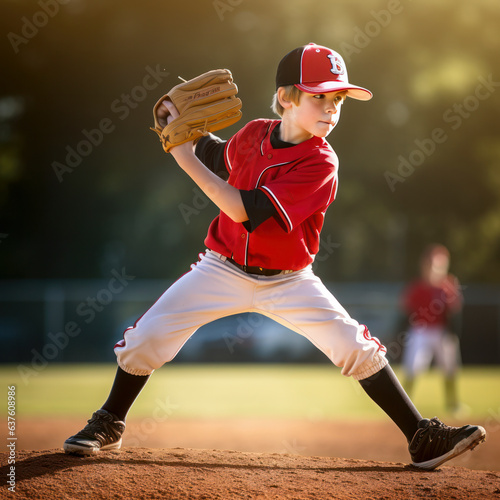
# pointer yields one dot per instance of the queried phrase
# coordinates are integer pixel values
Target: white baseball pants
(215, 288)
(426, 344)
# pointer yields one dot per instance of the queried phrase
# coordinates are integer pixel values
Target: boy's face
(315, 115)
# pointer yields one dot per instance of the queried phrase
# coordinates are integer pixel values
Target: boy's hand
(166, 113)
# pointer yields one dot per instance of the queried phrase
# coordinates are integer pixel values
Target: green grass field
(238, 391)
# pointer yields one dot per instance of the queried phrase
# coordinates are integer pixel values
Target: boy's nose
(331, 108)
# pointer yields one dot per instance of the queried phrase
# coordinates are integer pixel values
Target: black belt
(256, 270)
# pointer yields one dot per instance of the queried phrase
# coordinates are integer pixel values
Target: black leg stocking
(124, 392)
(385, 389)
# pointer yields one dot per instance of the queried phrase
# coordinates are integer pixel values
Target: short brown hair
(292, 93)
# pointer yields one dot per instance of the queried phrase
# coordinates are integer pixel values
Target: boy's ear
(285, 103)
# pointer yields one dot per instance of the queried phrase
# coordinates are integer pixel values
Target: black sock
(125, 390)
(384, 388)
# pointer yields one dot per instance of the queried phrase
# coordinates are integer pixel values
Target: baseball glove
(206, 103)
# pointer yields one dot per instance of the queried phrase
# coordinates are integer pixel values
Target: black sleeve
(210, 151)
(258, 208)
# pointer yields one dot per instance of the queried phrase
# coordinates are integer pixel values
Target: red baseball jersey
(301, 182)
(429, 305)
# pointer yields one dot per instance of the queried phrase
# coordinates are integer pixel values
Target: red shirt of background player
(431, 300)
(428, 305)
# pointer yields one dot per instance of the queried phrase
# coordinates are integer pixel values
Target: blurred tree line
(86, 188)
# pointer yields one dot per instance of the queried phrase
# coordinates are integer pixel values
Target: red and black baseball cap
(315, 69)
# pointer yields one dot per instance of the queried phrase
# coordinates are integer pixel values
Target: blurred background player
(432, 305)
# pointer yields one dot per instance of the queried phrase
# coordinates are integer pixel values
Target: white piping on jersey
(272, 194)
(263, 139)
(226, 154)
(228, 162)
(246, 248)
(290, 225)
(267, 168)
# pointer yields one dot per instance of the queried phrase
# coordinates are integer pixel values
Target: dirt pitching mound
(179, 473)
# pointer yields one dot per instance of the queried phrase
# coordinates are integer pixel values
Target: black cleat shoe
(102, 432)
(435, 443)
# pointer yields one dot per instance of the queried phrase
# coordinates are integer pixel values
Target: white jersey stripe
(228, 162)
(283, 211)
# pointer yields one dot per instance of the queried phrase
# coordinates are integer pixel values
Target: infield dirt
(177, 461)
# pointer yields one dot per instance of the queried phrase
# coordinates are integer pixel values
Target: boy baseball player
(273, 182)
